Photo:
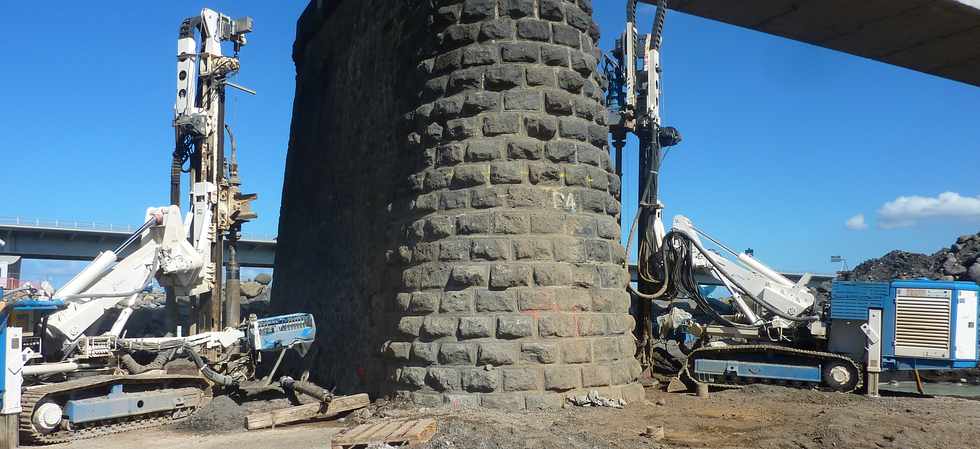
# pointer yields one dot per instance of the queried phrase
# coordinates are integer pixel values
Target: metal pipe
(716, 242)
(117, 327)
(103, 295)
(241, 88)
(233, 293)
(764, 270)
(88, 276)
(54, 368)
(138, 234)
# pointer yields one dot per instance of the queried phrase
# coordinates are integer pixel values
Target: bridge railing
(83, 225)
(80, 225)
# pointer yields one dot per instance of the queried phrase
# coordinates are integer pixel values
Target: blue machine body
(279, 332)
(925, 325)
(759, 370)
(918, 318)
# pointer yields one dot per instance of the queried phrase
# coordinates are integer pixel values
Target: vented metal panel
(922, 322)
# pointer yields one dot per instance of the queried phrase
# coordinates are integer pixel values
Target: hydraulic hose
(648, 204)
(681, 259)
(176, 168)
(658, 24)
(207, 372)
(135, 367)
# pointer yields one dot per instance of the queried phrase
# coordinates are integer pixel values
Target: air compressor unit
(905, 325)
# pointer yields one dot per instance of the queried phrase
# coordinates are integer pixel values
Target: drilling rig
(218, 206)
(769, 328)
(75, 373)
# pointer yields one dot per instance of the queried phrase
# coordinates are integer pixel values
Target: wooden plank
(403, 430)
(381, 435)
(423, 431)
(361, 431)
(358, 432)
(306, 412)
(396, 432)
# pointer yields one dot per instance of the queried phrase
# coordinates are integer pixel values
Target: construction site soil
(756, 417)
(759, 416)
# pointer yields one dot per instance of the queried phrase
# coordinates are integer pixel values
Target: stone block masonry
(449, 210)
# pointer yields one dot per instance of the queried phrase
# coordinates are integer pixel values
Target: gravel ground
(757, 417)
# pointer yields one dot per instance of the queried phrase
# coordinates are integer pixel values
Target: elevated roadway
(74, 240)
(938, 37)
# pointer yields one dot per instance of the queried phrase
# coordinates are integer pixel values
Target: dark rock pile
(149, 313)
(959, 262)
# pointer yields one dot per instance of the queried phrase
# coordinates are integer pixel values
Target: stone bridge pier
(449, 210)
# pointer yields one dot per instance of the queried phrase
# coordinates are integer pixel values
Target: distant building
(9, 271)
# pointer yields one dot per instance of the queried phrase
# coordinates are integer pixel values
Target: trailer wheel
(839, 376)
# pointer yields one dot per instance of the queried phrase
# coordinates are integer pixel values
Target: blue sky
(783, 142)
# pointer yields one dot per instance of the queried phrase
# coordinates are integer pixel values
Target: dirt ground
(757, 417)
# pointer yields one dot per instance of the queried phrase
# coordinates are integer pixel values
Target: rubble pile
(959, 262)
(149, 313)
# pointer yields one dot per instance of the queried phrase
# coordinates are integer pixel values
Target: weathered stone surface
(515, 326)
(412, 376)
(506, 401)
(520, 379)
(476, 327)
(497, 354)
(562, 377)
(443, 379)
(561, 325)
(457, 354)
(595, 376)
(509, 275)
(424, 352)
(576, 351)
(439, 326)
(495, 301)
(540, 352)
(545, 401)
(470, 246)
(480, 380)
(456, 302)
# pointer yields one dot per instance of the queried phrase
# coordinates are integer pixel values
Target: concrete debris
(958, 262)
(657, 433)
(263, 278)
(669, 322)
(150, 314)
(251, 289)
(593, 399)
(676, 386)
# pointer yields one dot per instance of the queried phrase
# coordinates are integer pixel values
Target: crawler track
(195, 390)
(733, 352)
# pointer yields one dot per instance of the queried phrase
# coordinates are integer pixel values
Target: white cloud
(906, 211)
(856, 223)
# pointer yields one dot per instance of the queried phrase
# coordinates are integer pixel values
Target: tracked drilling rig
(769, 328)
(75, 373)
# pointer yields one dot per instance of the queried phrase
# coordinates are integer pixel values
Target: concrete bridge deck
(80, 240)
(938, 37)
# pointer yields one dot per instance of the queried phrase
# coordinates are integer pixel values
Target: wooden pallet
(392, 433)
